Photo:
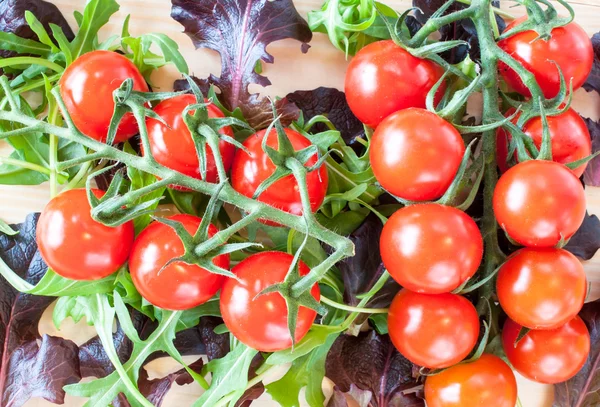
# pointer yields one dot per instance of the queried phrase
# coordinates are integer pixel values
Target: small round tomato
(415, 154)
(433, 330)
(547, 356)
(87, 87)
(542, 288)
(383, 78)
(172, 144)
(261, 322)
(538, 203)
(74, 245)
(251, 168)
(569, 47)
(178, 286)
(488, 382)
(411, 232)
(569, 136)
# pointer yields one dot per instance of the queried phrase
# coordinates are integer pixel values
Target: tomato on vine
(261, 321)
(431, 248)
(433, 330)
(87, 87)
(548, 356)
(569, 47)
(539, 203)
(415, 154)
(383, 78)
(172, 145)
(177, 286)
(488, 382)
(74, 245)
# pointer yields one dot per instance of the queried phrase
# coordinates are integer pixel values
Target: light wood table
(321, 66)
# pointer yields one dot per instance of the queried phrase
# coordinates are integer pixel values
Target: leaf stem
(31, 166)
(353, 309)
(30, 61)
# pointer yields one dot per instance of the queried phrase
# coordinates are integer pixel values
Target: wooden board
(323, 65)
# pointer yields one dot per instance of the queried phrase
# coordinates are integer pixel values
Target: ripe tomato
(261, 322)
(179, 286)
(411, 232)
(87, 87)
(548, 356)
(569, 47)
(569, 135)
(435, 331)
(172, 144)
(74, 245)
(488, 382)
(251, 168)
(406, 154)
(539, 202)
(542, 288)
(383, 78)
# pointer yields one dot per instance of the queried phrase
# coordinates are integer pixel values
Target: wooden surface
(321, 66)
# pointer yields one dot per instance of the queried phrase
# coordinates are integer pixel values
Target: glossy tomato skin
(569, 47)
(261, 322)
(542, 288)
(74, 245)
(411, 232)
(406, 154)
(251, 168)
(539, 202)
(172, 144)
(488, 382)
(548, 356)
(383, 78)
(179, 286)
(87, 87)
(433, 330)
(569, 135)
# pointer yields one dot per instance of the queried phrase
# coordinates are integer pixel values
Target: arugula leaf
(6, 229)
(316, 336)
(39, 30)
(169, 49)
(12, 42)
(95, 15)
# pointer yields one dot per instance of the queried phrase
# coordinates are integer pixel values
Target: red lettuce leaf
(155, 390)
(591, 176)
(593, 81)
(586, 241)
(240, 31)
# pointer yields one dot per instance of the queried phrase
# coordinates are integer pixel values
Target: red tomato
(250, 169)
(172, 145)
(415, 154)
(179, 286)
(569, 47)
(411, 232)
(539, 202)
(261, 322)
(569, 135)
(435, 331)
(548, 356)
(383, 78)
(87, 87)
(542, 288)
(74, 245)
(488, 382)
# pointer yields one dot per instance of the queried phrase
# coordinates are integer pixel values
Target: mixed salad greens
(301, 218)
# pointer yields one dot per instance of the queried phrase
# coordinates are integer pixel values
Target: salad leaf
(155, 390)
(586, 241)
(241, 30)
(593, 81)
(6, 229)
(591, 176)
(95, 15)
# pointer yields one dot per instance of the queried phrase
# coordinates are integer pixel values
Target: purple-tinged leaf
(586, 241)
(593, 81)
(155, 390)
(591, 176)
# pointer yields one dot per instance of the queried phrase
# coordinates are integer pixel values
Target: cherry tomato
(548, 356)
(179, 286)
(87, 87)
(569, 135)
(542, 288)
(433, 330)
(74, 245)
(172, 144)
(262, 322)
(539, 202)
(383, 78)
(415, 154)
(251, 168)
(569, 47)
(488, 382)
(411, 232)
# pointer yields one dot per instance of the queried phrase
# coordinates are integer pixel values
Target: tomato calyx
(542, 21)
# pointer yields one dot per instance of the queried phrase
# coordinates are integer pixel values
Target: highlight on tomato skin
(74, 245)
